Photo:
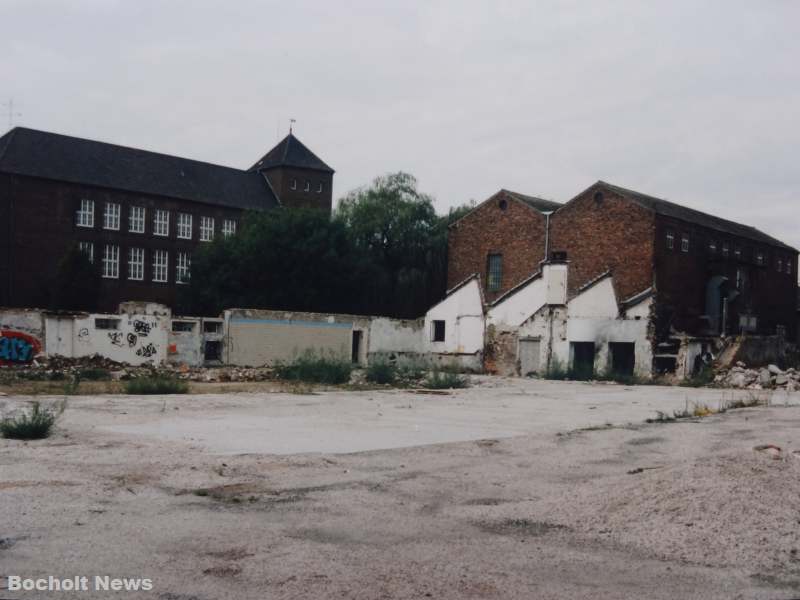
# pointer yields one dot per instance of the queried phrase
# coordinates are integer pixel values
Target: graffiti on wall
(17, 347)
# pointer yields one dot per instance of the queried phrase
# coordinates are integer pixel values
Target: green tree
(77, 282)
(395, 226)
(282, 259)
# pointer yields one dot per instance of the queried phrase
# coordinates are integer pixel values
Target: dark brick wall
(281, 179)
(682, 277)
(613, 233)
(39, 225)
(518, 233)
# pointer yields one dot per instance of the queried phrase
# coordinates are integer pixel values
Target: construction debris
(765, 378)
(58, 368)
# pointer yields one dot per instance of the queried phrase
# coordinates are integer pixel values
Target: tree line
(383, 252)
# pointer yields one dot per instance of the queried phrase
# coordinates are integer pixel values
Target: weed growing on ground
(34, 425)
(382, 372)
(702, 378)
(314, 367)
(156, 385)
(71, 386)
(95, 374)
(445, 380)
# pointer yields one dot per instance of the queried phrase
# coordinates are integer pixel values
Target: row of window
(136, 262)
(306, 186)
(782, 265)
(137, 216)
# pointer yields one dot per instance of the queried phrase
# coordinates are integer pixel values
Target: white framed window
(307, 186)
(760, 258)
(111, 216)
(737, 252)
(294, 184)
(788, 267)
(184, 226)
(136, 263)
(319, 188)
(161, 222)
(684, 243)
(670, 240)
(183, 265)
(136, 219)
(228, 227)
(712, 246)
(85, 215)
(111, 261)
(160, 265)
(88, 249)
(780, 265)
(726, 249)
(206, 229)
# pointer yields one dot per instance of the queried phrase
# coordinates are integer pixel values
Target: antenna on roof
(291, 122)
(9, 106)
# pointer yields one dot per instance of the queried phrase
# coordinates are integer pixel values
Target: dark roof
(690, 215)
(291, 152)
(63, 158)
(539, 204)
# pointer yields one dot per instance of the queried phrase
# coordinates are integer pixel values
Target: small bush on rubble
(34, 425)
(445, 380)
(158, 384)
(381, 372)
(314, 367)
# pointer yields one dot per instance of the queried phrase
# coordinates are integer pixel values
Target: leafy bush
(445, 380)
(702, 378)
(412, 370)
(156, 385)
(316, 367)
(381, 372)
(34, 425)
(558, 372)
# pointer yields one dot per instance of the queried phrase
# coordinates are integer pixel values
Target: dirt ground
(510, 489)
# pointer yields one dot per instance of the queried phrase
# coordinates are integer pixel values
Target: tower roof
(291, 152)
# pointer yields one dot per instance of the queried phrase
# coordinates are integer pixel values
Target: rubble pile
(766, 378)
(59, 368)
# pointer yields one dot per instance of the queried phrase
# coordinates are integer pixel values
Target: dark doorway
(356, 352)
(582, 360)
(212, 351)
(623, 357)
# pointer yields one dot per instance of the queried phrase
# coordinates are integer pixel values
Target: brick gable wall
(518, 233)
(614, 233)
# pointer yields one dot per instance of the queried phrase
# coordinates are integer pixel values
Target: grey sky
(697, 102)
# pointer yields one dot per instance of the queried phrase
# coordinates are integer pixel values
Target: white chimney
(555, 280)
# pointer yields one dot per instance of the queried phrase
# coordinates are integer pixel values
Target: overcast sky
(697, 102)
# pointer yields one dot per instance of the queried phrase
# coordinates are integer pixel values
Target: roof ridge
(112, 144)
(10, 136)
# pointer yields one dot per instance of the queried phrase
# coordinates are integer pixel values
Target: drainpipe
(547, 235)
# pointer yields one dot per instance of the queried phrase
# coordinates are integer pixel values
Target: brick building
(139, 215)
(707, 274)
(503, 239)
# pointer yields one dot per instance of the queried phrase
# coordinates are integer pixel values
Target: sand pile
(739, 509)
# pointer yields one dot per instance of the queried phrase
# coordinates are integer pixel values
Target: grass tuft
(382, 372)
(316, 367)
(34, 425)
(156, 385)
(445, 380)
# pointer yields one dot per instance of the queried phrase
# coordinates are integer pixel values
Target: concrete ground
(510, 489)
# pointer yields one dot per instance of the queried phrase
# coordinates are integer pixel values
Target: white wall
(396, 335)
(462, 312)
(139, 339)
(597, 301)
(515, 309)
